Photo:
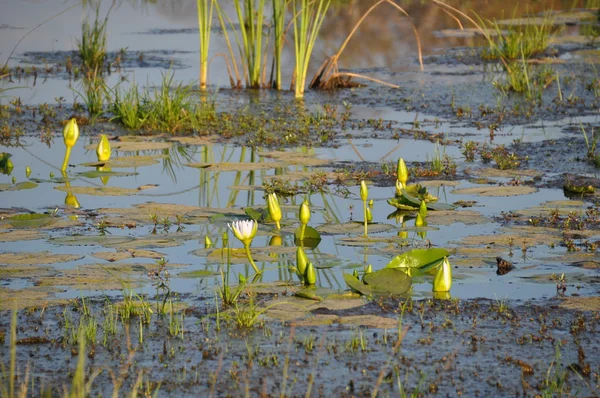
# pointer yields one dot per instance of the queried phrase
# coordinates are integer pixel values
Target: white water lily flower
(244, 230)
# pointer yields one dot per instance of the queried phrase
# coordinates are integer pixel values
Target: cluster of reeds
(252, 35)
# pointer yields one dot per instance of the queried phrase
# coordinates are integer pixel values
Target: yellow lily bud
(27, 171)
(8, 167)
(371, 203)
(441, 295)
(275, 240)
(355, 274)
(71, 133)
(369, 215)
(274, 209)
(103, 149)
(301, 261)
(423, 209)
(207, 242)
(419, 221)
(442, 282)
(14, 180)
(364, 191)
(304, 214)
(71, 200)
(369, 269)
(402, 172)
(403, 234)
(310, 277)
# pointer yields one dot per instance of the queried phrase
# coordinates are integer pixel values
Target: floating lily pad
(352, 228)
(467, 217)
(232, 166)
(198, 274)
(388, 281)
(439, 183)
(20, 186)
(106, 173)
(127, 254)
(135, 146)
(494, 172)
(127, 161)
(155, 241)
(30, 220)
(496, 191)
(312, 238)
(36, 258)
(294, 158)
(22, 235)
(98, 191)
(87, 240)
(418, 258)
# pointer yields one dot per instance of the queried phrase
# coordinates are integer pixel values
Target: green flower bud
(304, 213)
(14, 180)
(301, 262)
(369, 215)
(355, 274)
(207, 242)
(371, 203)
(402, 172)
(310, 277)
(423, 209)
(274, 209)
(369, 269)
(364, 191)
(442, 282)
(103, 149)
(27, 171)
(419, 221)
(71, 133)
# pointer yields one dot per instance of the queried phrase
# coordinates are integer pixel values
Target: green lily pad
(352, 228)
(36, 258)
(312, 238)
(418, 258)
(259, 214)
(198, 274)
(242, 166)
(21, 235)
(357, 285)
(33, 220)
(388, 281)
(20, 186)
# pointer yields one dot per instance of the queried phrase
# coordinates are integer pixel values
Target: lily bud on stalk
(364, 195)
(419, 221)
(311, 275)
(402, 172)
(207, 242)
(103, 149)
(301, 262)
(27, 171)
(245, 232)
(71, 200)
(442, 282)
(274, 209)
(423, 209)
(70, 135)
(304, 216)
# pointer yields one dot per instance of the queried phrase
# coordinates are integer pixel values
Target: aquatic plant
(310, 275)
(401, 173)
(301, 262)
(309, 16)
(103, 150)
(442, 282)
(251, 22)
(364, 195)
(304, 217)
(92, 46)
(205, 13)
(278, 21)
(70, 135)
(245, 231)
(274, 208)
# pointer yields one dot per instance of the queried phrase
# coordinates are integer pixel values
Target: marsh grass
(526, 78)
(170, 107)
(251, 19)
(278, 26)
(591, 142)
(94, 93)
(92, 46)
(518, 41)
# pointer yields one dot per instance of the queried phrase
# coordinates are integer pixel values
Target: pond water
(165, 35)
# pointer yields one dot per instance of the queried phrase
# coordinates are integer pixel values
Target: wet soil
(457, 348)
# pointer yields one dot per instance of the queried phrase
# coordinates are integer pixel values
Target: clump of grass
(516, 41)
(92, 46)
(523, 77)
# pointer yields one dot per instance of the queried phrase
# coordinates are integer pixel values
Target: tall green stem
(365, 212)
(204, 25)
(66, 160)
(249, 255)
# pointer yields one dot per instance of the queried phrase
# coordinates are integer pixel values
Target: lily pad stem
(66, 161)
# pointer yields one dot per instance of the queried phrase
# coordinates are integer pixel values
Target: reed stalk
(251, 20)
(205, 13)
(309, 16)
(279, 34)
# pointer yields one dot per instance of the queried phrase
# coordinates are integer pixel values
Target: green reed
(251, 21)
(205, 13)
(309, 16)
